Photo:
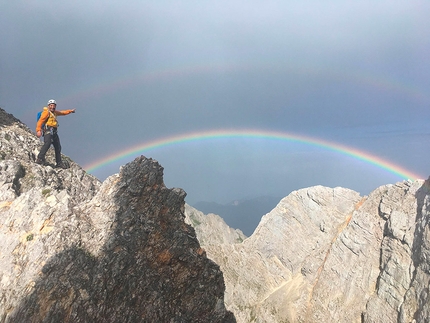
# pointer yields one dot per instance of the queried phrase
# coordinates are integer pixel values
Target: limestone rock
(403, 280)
(19, 174)
(280, 264)
(329, 255)
(211, 228)
(76, 250)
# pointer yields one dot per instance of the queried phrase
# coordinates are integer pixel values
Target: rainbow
(132, 152)
(359, 77)
(76, 96)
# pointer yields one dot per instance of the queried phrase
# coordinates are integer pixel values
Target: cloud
(141, 70)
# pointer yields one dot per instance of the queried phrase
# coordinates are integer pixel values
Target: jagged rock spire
(76, 250)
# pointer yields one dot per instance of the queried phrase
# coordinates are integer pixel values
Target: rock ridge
(328, 254)
(211, 228)
(77, 250)
(130, 250)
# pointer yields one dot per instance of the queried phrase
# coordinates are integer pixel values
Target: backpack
(39, 114)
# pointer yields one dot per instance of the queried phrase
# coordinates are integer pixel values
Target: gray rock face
(211, 228)
(76, 250)
(403, 281)
(329, 255)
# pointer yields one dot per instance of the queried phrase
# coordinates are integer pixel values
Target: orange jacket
(50, 118)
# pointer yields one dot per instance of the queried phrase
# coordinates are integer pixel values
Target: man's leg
(57, 147)
(47, 139)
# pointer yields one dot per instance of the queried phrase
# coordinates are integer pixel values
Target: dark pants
(51, 137)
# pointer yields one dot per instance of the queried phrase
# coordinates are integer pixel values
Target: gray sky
(355, 73)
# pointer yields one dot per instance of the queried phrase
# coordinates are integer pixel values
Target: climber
(47, 126)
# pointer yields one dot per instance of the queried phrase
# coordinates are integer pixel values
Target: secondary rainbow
(133, 152)
(178, 72)
(98, 88)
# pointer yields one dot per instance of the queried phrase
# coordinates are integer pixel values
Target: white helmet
(52, 101)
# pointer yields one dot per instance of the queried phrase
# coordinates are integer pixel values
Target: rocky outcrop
(211, 228)
(76, 250)
(329, 255)
(402, 286)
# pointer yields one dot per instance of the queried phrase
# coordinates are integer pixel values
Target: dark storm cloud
(346, 71)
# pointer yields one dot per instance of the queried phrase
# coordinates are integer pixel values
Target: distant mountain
(244, 214)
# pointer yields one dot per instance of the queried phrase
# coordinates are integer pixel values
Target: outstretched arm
(64, 112)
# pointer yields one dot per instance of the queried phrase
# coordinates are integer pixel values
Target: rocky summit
(77, 250)
(330, 255)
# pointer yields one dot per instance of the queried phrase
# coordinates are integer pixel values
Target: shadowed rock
(149, 268)
(75, 251)
(6, 119)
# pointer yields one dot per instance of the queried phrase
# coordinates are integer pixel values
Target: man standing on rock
(47, 126)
